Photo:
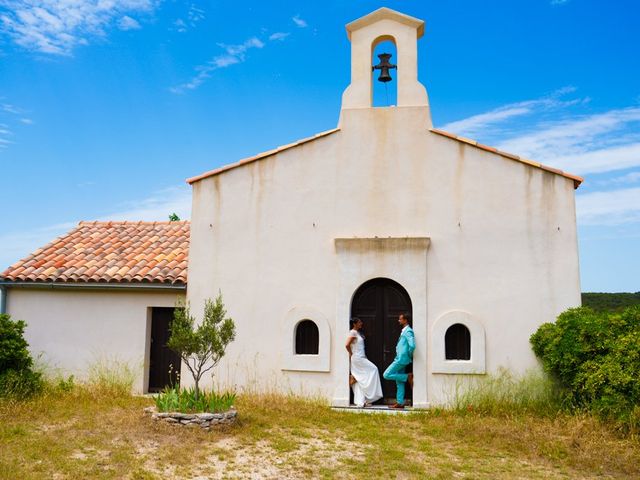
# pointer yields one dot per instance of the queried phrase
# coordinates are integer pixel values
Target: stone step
(374, 409)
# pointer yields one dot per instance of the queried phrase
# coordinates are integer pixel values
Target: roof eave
(94, 285)
(260, 156)
(577, 180)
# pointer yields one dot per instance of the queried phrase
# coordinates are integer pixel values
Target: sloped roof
(260, 156)
(576, 179)
(110, 252)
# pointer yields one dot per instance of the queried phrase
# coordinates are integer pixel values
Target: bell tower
(365, 34)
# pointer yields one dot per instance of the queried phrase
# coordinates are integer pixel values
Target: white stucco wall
(70, 330)
(502, 241)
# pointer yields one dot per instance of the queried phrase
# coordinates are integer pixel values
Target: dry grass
(79, 434)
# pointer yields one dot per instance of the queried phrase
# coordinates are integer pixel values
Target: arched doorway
(378, 303)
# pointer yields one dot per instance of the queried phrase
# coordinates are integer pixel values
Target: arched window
(307, 338)
(457, 343)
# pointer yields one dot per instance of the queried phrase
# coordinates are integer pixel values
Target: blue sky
(107, 106)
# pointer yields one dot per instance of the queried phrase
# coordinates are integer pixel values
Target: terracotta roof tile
(487, 147)
(120, 252)
(576, 179)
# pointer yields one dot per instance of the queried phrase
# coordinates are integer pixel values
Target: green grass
(83, 433)
(111, 377)
(506, 394)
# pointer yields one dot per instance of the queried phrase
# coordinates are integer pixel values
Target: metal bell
(384, 66)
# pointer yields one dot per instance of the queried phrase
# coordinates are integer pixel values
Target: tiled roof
(260, 156)
(576, 180)
(111, 252)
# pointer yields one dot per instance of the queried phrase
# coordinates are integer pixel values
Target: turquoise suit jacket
(405, 347)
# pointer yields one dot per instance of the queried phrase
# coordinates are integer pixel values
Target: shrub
(62, 384)
(17, 377)
(20, 383)
(175, 399)
(596, 358)
(14, 353)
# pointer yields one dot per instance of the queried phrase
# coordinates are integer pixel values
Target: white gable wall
(502, 242)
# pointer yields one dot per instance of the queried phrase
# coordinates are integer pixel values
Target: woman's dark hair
(407, 317)
(353, 321)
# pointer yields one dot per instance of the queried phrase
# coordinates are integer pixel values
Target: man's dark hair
(406, 316)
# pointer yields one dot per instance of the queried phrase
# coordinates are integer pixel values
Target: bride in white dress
(367, 387)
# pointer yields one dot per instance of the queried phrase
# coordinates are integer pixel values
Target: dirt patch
(262, 460)
(228, 458)
(92, 454)
(53, 427)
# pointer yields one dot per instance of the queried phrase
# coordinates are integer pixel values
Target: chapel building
(382, 215)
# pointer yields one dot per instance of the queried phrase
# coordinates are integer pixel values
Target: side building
(102, 296)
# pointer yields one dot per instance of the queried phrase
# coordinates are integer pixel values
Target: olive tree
(201, 345)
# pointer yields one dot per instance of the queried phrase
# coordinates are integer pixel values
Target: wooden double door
(378, 303)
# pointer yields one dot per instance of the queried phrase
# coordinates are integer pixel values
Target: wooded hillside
(610, 301)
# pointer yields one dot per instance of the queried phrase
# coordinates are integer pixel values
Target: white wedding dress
(367, 387)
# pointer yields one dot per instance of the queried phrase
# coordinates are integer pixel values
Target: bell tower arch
(364, 34)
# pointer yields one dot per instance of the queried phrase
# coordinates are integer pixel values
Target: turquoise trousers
(395, 372)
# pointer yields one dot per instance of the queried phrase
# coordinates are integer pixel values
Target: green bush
(63, 384)
(17, 377)
(596, 358)
(20, 383)
(14, 353)
(175, 399)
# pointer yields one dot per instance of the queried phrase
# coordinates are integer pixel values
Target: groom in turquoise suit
(404, 356)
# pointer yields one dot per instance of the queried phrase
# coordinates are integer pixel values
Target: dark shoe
(397, 406)
(410, 380)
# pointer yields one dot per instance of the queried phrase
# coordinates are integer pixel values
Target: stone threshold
(384, 409)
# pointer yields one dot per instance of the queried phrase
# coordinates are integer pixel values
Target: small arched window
(307, 338)
(457, 342)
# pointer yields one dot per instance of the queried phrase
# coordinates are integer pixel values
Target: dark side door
(164, 363)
